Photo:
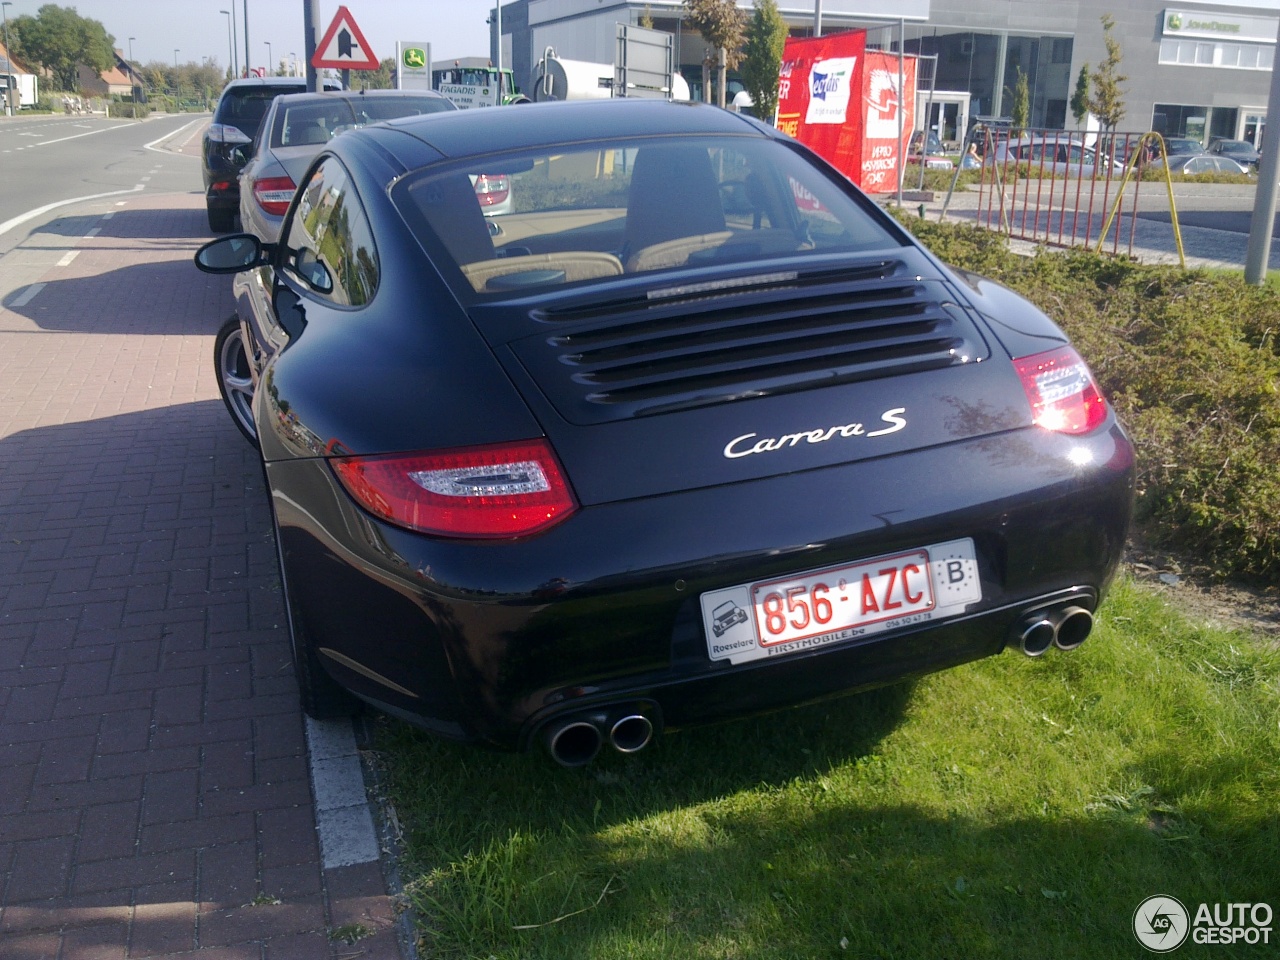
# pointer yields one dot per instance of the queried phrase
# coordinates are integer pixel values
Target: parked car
(1182, 146)
(521, 481)
(1203, 163)
(1241, 151)
(235, 122)
(932, 151)
(296, 127)
(1063, 156)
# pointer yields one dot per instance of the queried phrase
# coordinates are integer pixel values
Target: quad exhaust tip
(575, 740)
(1064, 626)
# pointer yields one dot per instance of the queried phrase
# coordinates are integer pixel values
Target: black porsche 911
(694, 431)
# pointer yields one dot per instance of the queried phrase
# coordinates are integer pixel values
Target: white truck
(644, 67)
(24, 87)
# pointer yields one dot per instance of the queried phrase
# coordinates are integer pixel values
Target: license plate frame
(842, 602)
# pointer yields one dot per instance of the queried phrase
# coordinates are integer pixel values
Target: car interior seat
(674, 199)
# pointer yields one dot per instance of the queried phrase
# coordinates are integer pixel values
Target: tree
(1080, 99)
(384, 78)
(58, 39)
(1020, 114)
(721, 25)
(1106, 102)
(766, 39)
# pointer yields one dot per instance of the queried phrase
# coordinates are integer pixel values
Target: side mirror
(240, 251)
(239, 155)
(313, 271)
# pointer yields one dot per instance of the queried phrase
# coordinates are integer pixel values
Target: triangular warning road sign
(343, 46)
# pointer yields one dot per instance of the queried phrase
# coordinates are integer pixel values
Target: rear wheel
(235, 380)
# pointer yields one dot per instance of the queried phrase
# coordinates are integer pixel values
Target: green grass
(1008, 808)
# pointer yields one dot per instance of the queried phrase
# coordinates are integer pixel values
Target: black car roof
(526, 126)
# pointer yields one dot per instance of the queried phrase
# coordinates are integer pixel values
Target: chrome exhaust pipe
(1036, 635)
(631, 734)
(1073, 628)
(574, 742)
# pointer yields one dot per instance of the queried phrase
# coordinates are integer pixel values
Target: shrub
(135, 111)
(1189, 360)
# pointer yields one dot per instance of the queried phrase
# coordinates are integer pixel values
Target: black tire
(235, 379)
(320, 696)
(221, 221)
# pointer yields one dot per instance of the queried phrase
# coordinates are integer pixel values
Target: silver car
(1061, 155)
(296, 128)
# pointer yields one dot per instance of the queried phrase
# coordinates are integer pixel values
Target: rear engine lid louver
(692, 346)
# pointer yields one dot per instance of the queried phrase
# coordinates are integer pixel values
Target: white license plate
(811, 609)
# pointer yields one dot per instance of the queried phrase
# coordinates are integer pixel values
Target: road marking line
(170, 153)
(74, 136)
(144, 179)
(93, 233)
(109, 214)
(68, 257)
(32, 214)
(27, 297)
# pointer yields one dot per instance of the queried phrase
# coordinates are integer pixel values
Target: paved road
(158, 797)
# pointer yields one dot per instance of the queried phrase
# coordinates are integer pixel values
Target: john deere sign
(1199, 25)
(413, 66)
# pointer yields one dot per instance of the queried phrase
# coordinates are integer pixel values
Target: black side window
(328, 240)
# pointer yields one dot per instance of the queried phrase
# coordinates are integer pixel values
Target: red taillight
(498, 491)
(492, 190)
(273, 194)
(1063, 396)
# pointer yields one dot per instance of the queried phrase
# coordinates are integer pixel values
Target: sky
(196, 28)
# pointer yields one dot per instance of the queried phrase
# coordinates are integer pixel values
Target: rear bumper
(491, 641)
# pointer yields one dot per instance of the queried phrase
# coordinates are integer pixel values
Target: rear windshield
(246, 108)
(586, 213)
(317, 122)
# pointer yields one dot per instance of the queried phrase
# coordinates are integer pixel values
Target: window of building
(1203, 53)
(1061, 52)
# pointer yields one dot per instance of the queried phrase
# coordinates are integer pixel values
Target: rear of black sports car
(695, 432)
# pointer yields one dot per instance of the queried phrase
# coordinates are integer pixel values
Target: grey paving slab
(157, 798)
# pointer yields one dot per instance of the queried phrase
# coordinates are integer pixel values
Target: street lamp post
(8, 59)
(231, 46)
(271, 70)
(131, 39)
(175, 58)
(245, 23)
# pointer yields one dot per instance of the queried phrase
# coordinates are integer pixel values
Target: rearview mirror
(240, 251)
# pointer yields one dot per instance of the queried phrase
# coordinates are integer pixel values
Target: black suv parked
(235, 122)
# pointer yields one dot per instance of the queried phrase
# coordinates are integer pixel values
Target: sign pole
(310, 17)
(1258, 250)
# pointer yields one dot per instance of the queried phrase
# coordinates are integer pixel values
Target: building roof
(10, 65)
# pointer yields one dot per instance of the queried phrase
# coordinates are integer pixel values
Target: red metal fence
(1064, 188)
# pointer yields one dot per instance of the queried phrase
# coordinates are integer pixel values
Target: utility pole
(247, 60)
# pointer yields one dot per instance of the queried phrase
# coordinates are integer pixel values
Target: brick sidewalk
(155, 800)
